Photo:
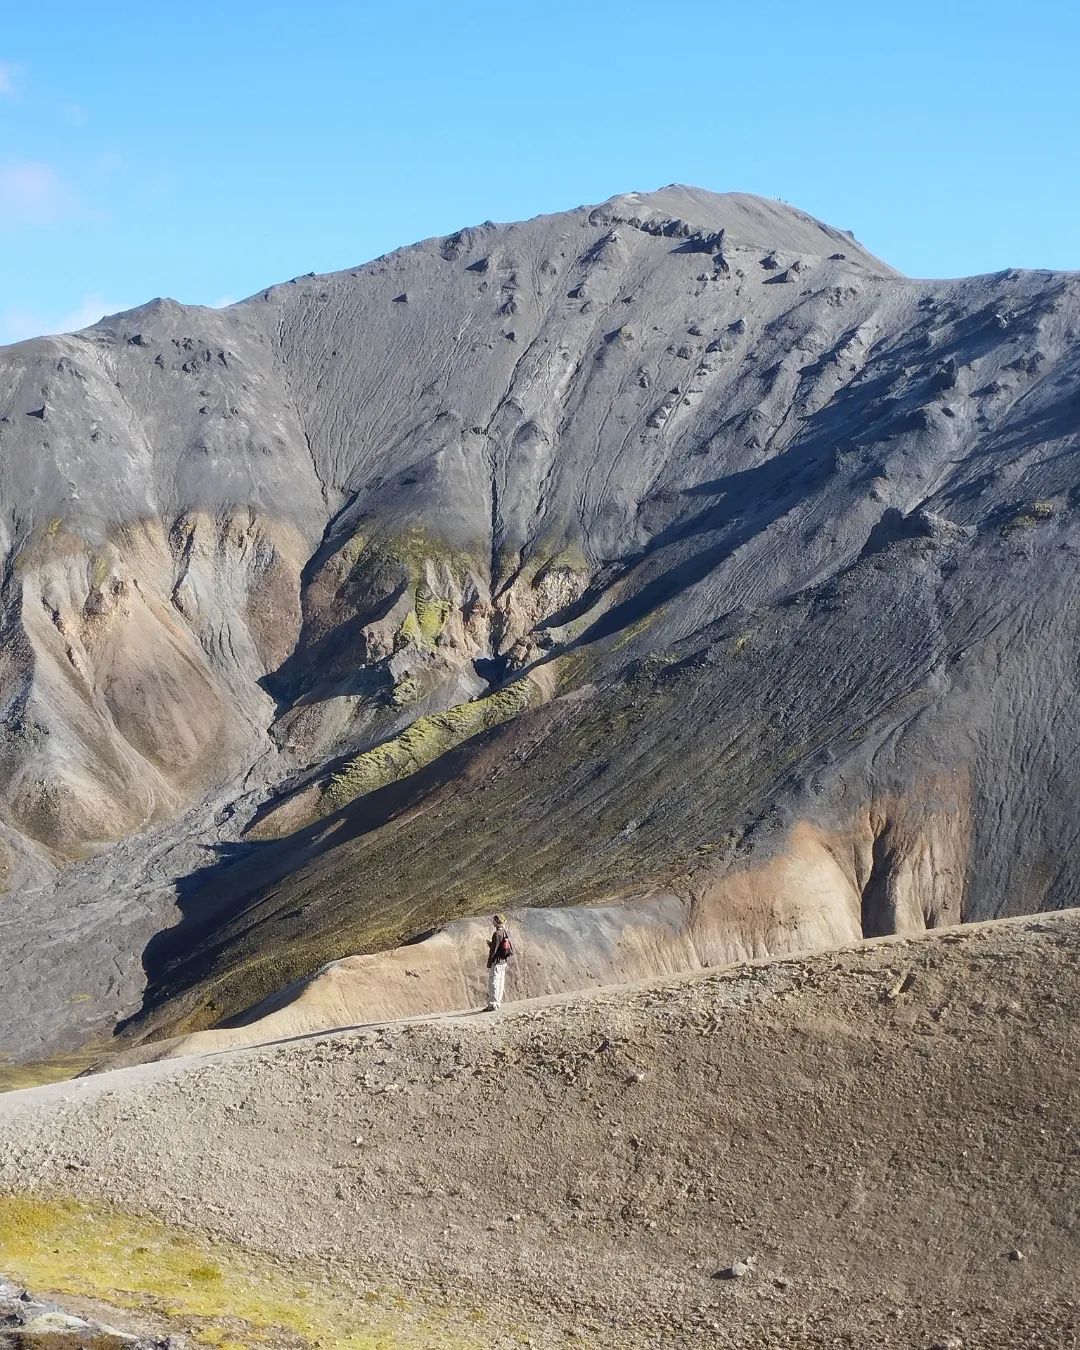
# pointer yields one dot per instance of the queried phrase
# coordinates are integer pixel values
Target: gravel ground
(885, 1136)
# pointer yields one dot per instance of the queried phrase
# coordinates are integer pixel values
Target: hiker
(500, 950)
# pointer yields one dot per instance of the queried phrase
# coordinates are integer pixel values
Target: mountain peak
(747, 219)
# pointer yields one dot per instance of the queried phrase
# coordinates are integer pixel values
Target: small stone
(901, 986)
(736, 1271)
(54, 1322)
(1016, 1254)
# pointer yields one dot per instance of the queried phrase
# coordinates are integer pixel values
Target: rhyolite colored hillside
(674, 551)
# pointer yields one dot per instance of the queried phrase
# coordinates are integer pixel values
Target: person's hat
(500, 918)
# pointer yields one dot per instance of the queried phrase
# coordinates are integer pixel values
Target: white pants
(496, 983)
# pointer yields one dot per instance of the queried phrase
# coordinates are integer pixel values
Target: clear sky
(206, 151)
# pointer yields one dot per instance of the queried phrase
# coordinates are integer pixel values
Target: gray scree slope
(735, 546)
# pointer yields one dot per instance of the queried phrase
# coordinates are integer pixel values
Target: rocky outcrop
(27, 1323)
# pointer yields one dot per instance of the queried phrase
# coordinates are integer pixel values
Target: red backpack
(505, 949)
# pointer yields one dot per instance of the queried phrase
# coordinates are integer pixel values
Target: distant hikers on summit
(500, 950)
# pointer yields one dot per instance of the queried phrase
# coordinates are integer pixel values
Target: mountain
(671, 570)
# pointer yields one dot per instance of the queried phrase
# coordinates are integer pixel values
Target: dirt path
(879, 1130)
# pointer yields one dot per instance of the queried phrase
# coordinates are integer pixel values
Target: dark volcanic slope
(749, 548)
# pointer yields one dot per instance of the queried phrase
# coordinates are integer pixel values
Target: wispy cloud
(33, 193)
(18, 324)
(9, 79)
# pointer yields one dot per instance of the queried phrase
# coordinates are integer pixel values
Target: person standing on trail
(500, 950)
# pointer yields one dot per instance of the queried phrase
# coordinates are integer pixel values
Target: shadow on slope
(237, 891)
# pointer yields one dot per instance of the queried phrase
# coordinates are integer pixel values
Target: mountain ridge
(719, 205)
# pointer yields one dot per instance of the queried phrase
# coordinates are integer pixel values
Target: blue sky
(205, 152)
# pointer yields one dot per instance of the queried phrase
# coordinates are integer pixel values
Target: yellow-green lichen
(545, 559)
(638, 627)
(99, 571)
(348, 555)
(409, 633)
(377, 565)
(55, 1069)
(432, 612)
(425, 740)
(1030, 516)
(575, 667)
(741, 643)
(225, 1295)
(414, 550)
(569, 558)
(51, 540)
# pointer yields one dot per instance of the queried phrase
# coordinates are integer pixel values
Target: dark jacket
(493, 946)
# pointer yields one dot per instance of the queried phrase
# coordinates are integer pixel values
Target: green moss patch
(375, 565)
(635, 629)
(1034, 514)
(432, 612)
(55, 1069)
(741, 643)
(569, 558)
(425, 740)
(227, 1297)
(412, 551)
